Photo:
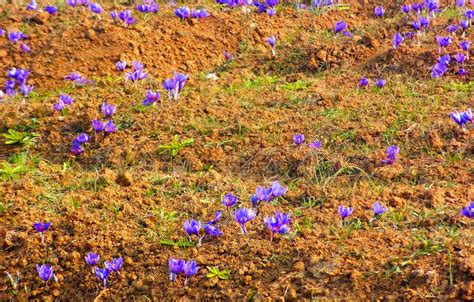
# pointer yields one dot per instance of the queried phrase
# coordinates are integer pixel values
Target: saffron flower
(363, 82)
(182, 12)
(443, 42)
(137, 75)
(96, 8)
(228, 56)
(242, 216)
(82, 138)
(229, 200)
(175, 84)
(71, 3)
(392, 152)
(59, 106)
(66, 99)
(97, 125)
(468, 211)
(200, 13)
(298, 139)
(151, 97)
(406, 8)
(216, 218)
(192, 227)
(315, 145)
(115, 265)
(41, 227)
(460, 3)
(102, 274)
(397, 40)
(271, 12)
(438, 70)
(149, 7)
(460, 58)
(462, 72)
(278, 224)
(121, 65)
(190, 269)
(16, 36)
(272, 3)
(110, 127)
(45, 272)
(379, 11)
(52, 10)
(76, 149)
(445, 59)
(380, 83)
(176, 267)
(26, 89)
(212, 230)
(340, 26)
(461, 118)
(378, 208)
(452, 28)
(272, 41)
(344, 212)
(464, 25)
(25, 48)
(137, 65)
(277, 189)
(32, 5)
(108, 110)
(126, 17)
(92, 259)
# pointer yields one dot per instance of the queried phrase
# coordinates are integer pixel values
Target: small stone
(124, 179)
(299, 266)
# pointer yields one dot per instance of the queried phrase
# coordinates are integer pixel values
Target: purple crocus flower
(229, 200)
(460, 3)
(397, 40)
(137, 75)
(181, 79)
(469, 14)
(215, 219)
(277, 189)
(406, 8)
(379, 11)
(45, 272)
(76, 149)
(137, 65)
(114, 14)
(465, 45)
(192, 227)
(73, 76)
(468, 211)
(25, 48)
(41, 228)
(108, 110)
(97, 125)
(182, 12)
(363, 82)
(126, 17)
(272, 41)
(378, 208)
(462, 72)
(52, 10)
(96, 8)
(115, 265)
(464, 25)
(84, 2)
(82, 138)
(242, 216)
(151, 97)
(32, 5)
(344, 212)
(190, 269)
(439, 70)
(72, 3)
(212, 230)
(460, 58)
(176, 267)
(443, 41)
(66, 99)
(26, 89)
(200, 13)
(298, 139)
(380, 83)
(424, 22)
(228, 56)
(416, 25)
(271, 12)
(315, 145)
(392, 152)
(340, 26)
(278, 224)
(444, 59)
(263, 194)
(110, 127)
(102, 274)
(121, 65)
(59, 106)
(272, 3)
(453, 28)
(171, 86)
(2, 32)
(92, 259)
(461, 118)
(16, 36)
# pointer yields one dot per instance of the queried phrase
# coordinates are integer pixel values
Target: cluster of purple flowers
(299, 139)
(78, 79)
(379, 83)
(468, 211)
(179, 266)
(184, 12)
(151, 97)
(194, 227)
(340, 28)
(278, 224)
(138, 74)
(50, 9)
(75, 3)
(95, 8)
(263, 194)
(17, 79)
(78, 142)
(16, 36)
(148, 6)
(345, 212)
(103, 273)
(108, 127)
(65, 101)
(175, 84)
(125, 16)
(441, 67)
(462, 118)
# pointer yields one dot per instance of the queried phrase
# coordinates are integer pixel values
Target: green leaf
(215, 272)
